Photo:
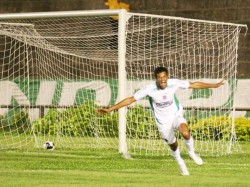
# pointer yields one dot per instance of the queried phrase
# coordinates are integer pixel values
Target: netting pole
(28, 75)
(122, 80)
(234, 85)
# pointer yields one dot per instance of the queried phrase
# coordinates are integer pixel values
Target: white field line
(168, 159)
(229, 164)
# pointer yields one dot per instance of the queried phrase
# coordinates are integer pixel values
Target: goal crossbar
(59, 14)
(56, 14)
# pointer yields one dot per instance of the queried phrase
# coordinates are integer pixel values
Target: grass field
(108, 168)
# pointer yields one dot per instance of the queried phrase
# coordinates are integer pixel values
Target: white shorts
(167, 130)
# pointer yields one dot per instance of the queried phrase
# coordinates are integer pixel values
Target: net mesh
(55, 72)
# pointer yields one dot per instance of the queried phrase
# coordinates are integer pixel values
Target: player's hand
(219, 84)
(102, 111)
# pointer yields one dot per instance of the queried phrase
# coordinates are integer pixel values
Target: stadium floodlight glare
(57, 68)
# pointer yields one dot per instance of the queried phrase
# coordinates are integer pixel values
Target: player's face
(161, 80)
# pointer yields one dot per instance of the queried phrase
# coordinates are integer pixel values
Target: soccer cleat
(196, 158)
(183, 168)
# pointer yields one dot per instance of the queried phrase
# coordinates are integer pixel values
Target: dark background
(234, 11)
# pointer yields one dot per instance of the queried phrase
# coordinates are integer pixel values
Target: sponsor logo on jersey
(164, 104)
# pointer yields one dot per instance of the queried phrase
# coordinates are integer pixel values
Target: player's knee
(185, 134)
(184, 131)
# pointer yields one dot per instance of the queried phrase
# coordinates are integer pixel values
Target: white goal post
(57, 68)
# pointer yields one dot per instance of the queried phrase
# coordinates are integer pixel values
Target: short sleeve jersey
(164, 103)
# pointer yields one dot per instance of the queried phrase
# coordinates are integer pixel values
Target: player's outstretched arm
(123, 103)
(205, 85)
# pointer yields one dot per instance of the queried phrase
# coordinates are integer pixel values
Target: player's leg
(189, 142)
(168, 134)
(177, 156)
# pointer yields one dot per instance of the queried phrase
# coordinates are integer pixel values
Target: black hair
(160, 70)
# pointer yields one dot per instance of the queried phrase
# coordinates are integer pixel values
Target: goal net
(56, 69)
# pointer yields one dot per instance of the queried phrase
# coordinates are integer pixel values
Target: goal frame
(123, 16)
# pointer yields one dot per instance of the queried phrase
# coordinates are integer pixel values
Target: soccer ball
(49, 145)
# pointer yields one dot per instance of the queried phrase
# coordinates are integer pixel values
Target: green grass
(107, 168)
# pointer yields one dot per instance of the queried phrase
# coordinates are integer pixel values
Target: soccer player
(168, 112)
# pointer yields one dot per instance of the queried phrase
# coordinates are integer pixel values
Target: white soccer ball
(49, 145)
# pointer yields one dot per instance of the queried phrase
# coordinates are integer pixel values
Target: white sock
(177, 155)
(189, 144)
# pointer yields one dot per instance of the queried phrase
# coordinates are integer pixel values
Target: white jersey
(164, 103)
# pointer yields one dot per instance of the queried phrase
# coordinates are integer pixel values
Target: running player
(168, 112)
